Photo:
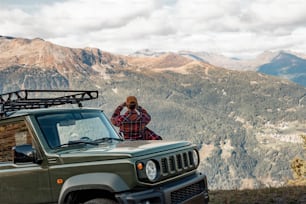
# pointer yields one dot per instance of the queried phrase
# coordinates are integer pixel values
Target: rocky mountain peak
(166, 62)
(39, 53)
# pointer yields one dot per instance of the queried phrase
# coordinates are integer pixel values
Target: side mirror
(24, 153)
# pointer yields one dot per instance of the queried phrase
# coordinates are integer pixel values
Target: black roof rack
(19, 100)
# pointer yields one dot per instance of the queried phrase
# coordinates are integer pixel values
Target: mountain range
(285, 64)
(246, 124)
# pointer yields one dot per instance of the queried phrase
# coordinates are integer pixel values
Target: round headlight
(151, 170)
(195, 158)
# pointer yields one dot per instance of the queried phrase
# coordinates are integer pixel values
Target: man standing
(132, 124)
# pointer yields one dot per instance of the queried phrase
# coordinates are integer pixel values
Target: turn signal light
(140, 166)
(59, 181)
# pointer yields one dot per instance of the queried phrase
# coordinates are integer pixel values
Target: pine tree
(299, 168)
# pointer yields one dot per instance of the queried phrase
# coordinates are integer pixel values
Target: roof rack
(19, 100)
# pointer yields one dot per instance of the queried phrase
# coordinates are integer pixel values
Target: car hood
(124, 149)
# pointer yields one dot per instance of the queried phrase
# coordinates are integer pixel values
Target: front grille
(186, 193)
(179, 161)
(164, 166)
(176, 163)
(185, 159)
(171, 165)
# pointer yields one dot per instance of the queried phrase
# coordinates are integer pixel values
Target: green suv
(74, 155)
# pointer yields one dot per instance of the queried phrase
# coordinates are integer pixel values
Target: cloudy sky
(235, 28)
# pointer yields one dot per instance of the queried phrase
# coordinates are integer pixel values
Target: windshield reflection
(70, 128)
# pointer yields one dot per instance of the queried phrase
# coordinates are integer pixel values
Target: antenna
(21, 99)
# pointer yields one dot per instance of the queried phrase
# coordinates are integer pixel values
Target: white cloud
(233, 27)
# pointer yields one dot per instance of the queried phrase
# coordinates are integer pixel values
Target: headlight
(195, 158)
(151, 170)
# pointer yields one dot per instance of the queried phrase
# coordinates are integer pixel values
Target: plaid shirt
(132, 123)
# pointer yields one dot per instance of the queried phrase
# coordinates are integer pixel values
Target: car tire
(101, 201)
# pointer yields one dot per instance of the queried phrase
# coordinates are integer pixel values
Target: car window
(12, 134)
(62, 128)
(87, 128)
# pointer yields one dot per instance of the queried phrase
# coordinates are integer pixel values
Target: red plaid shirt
(132, 123)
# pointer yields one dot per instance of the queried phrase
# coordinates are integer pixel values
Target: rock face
(247, 125)
(17, 77)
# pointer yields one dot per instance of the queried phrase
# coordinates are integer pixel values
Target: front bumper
(192, 189)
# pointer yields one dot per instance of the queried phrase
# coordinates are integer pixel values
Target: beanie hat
(130, 100)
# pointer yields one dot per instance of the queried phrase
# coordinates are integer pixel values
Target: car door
(23, 181)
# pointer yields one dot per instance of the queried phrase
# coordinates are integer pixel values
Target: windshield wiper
(107, 139)
(94, 142)
(76, 142)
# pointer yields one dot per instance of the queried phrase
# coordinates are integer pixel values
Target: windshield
(71, 128)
